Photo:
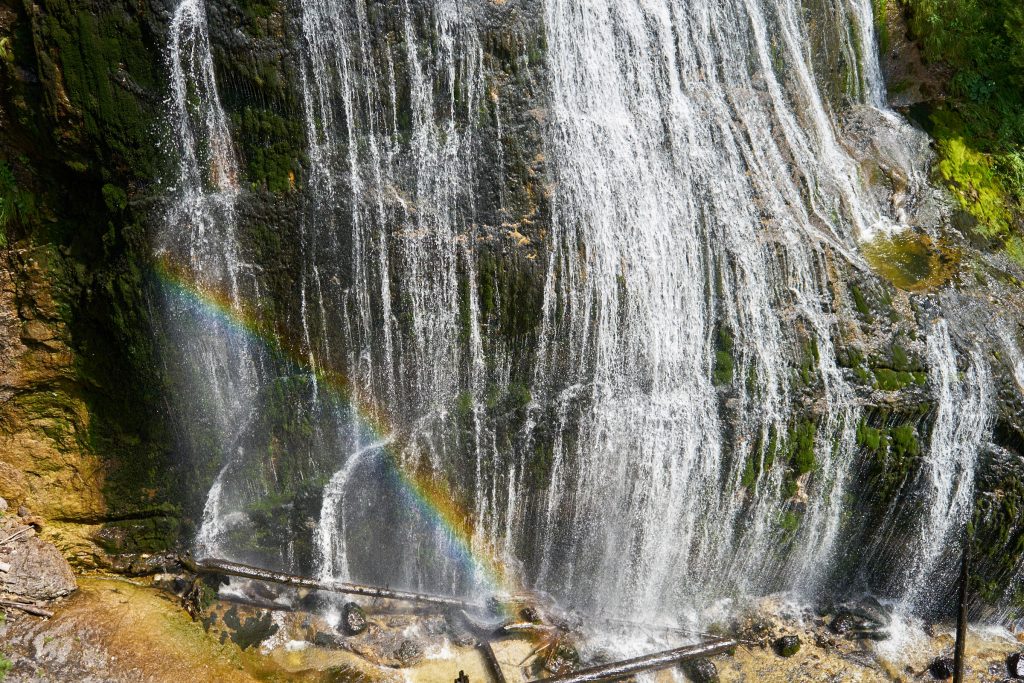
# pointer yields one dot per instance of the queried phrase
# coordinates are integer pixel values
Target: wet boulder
(701, 671)
(941, 668)
(843, 623)
(563, 658)
(787, 646)
(353, 619)
(1015, 665)
(328, 640)
(409, 653)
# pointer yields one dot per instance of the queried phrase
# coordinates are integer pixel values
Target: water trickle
(198, 236)
(962, 425)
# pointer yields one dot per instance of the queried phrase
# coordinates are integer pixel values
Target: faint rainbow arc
(430, 496)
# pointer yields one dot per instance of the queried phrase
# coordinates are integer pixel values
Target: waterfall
(681, 147)
(198, 236)
(664, 451)
(962, 424)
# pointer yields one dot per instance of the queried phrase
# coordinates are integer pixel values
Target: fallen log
(246, 572)
(492, 661)
(28, 608)
(654, 662)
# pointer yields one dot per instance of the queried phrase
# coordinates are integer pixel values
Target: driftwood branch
(246, 572)
(15, 535)
(28, 608)
(654, 662)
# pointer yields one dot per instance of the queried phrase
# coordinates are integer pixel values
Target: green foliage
(980, 126)
(5, 666)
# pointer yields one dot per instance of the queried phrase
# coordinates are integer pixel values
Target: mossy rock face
(148, 535)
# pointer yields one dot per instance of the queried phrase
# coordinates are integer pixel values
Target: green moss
(17, 205)
(273, 148)
(893, 450)
(997, 542)
(801, 447)
(115, 198)
(860, 302)
(789, 522)
(880, 8)
(724, 362)
(887, 379)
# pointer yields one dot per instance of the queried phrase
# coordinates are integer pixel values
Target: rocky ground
(175, 626)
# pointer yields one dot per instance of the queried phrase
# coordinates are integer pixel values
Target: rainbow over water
(430, 497)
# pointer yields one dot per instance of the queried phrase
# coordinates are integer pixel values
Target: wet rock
(843, 623)
(409, 653)
(787, 646)
(530, 614)
(941, 668)
(1015, 665)
(37, 569)
(701, 671)
(562, 659)
(353, 619)
(329, 641)
(252, 630)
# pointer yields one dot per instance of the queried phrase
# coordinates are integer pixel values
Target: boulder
(787, 646)
(329, 641)
(701, 671)
(37, 569)
(563, 658)
(353, 619)
(843, 623)
(409, 653)
(1015, 665)
(3, 505)
(941, 668)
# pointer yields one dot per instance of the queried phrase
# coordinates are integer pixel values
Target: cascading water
(198, 236)
(678, 142)
(962, 425)
(701, 196)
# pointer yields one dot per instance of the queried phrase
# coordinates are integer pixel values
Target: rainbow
(431, 498)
